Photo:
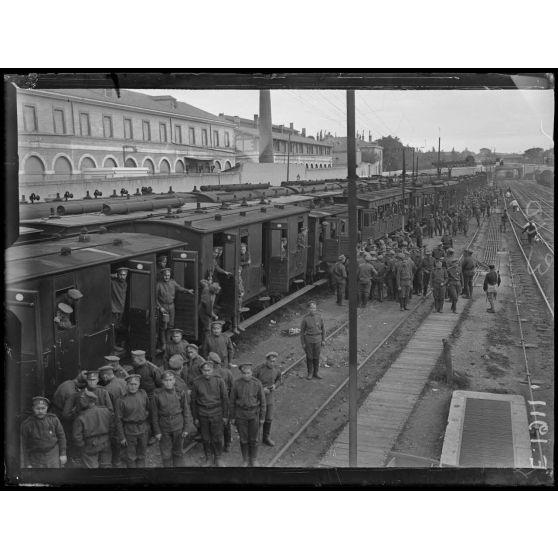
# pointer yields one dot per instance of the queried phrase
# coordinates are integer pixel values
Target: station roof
(45, 258)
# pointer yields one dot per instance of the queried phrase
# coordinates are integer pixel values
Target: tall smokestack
(264, 127)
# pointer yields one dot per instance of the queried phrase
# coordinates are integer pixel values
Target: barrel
(123, 207)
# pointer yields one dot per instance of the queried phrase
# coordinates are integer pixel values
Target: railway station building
(68, 134)
(305, 150)
(369, 155)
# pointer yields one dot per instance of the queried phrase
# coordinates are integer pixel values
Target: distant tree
(470, 159)
(393, 153)
(485, 152)
(533, 154)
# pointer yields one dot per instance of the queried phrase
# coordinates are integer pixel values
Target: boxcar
(38, 277)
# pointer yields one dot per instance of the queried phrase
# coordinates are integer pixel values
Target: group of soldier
(107, 417)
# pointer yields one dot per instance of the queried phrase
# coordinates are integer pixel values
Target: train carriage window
(63, 297)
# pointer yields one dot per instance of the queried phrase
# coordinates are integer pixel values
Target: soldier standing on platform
(206, 308)
(390, 275)
(210, 411)
(340, 278)
(92, 432)
(312, 337)
(468, 270)
(438, 281)
(43, 442)
(491, 283)
(169, 417)
(73, 407)
(132, 412)
(176, 366)
(165, 292)
(248, 410)
(227, 377)
(403, 280)
(365, 271)
(427, 268)
(218, 343)
(455, 283)
(193, 365)
(149, 373)
(269, 375)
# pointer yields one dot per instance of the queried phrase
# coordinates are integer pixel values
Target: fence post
(448, 362)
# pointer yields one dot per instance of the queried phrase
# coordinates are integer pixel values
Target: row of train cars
(292, 232)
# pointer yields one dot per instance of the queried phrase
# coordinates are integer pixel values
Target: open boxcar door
(141, 306)
(278, 251)
(228, 299)
(24, 305)
(184, 267)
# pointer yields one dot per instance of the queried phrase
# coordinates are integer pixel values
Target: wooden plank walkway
(383, 415)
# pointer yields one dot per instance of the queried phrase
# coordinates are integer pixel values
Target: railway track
(287, 444)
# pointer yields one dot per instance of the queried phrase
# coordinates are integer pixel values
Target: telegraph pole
(353, 239)
(403, 193)
(439, 169)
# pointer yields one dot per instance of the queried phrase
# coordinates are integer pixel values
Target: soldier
(71, 298)
(62, 317)
(403, 279)
(227, 377)
(169, 417)
(380, 267)
(165, 292)
(447, 241)
(269, 375)
(491, 283)
(176, 366)
(438, 281)
(118, 290)
(92, 431)
(427, 267)
(468, 272)
(312, 337)
(210, 411)
(218, 343)
(216, 268)
(176, 346)
(365, 272)
(206, 307)
(455, 283)
(438, 253)
(417, 233)
(530, 228)
(439, 224)
(132, 411)
(416, 258)
(43, 442)
(430, 226)
(248, 410)
(340, 278)
(119, 371)
(390, 275)
(193, 365)
(504, 220)
(73, 407)
(149, 373)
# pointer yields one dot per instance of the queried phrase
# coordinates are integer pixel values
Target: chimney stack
(256, 120)
(303, 132)
(291, 126)
(369, 136)
(264, 127)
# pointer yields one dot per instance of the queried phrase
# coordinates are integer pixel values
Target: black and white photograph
(279, 277)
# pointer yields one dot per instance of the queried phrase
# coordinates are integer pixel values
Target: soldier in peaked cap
(455, 282)
(177, 367)
(339, 275)
(119, 371)
(468, 270)
(216, 342)
(149, 373)
(269, 375)
(116, 388)
(62, 318)
(43, 442)
(248, 410)
(227, 377)
(176, 346)
(132, 412)
(210, 411)
(73, 405)
(92, 432)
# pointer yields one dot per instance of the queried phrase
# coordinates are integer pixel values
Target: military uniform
(227, 377)
(43, 442)
(379, 279)
(365, 272)
(119, 371)
(132, 411)
(169, 416)
(455, 284)
(390, 277)
(172, 348)
(491, 282)
(340, 276)
(65, 391)
(312, 334)
(268, 375)
(72, 408)
(210, 405)
(192, 371)
(150, 377)
(403, 280)
(468, 270)
(220, 344)
(92, 432)
(165, 293)
(438, 280)
(248, 409)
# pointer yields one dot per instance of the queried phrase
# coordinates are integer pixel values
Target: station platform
(383, 415)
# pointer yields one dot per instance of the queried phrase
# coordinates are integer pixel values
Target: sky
(505, 120)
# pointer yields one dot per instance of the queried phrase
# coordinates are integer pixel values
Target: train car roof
(380, 194)
(238, 216)
(239, 195)
(45, 258)
(95, 220)
(329, 211)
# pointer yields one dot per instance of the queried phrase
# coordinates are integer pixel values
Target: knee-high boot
(254, 455)
(266, 432)
(245, 450)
